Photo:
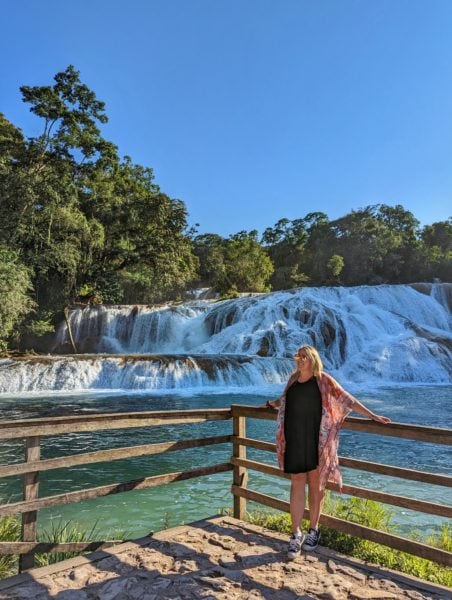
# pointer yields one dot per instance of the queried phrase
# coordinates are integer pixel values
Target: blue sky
(254, 110)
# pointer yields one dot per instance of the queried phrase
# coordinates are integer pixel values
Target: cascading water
(379, 334)
(151, 372)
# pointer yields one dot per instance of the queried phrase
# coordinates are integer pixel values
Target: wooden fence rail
(98, 422)
(33, 430)
(410, 432)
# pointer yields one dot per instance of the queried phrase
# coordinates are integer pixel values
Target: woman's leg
(316, 496)
(297, 500)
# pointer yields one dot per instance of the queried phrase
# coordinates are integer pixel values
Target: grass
(377, 516)
(9, 532)
(59, 532)
(64, 533)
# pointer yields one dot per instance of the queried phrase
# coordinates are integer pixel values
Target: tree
(209, 249)
(286, 243)
(438, 234)
(437, 250)
(15, 303)
(247, 267)
(43, 180)
(378, 244)
(362, 241)
(71, 114)
(402, 259)
(335, 266)
(146, 244)
(85, 221)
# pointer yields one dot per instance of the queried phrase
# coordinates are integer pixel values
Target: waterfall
(380, 334)
(150, 372)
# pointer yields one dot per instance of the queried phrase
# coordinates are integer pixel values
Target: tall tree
(437, 250)
(285, 243)
(15, 302)
(209, 249)
(43, 182)
(247, 267)
(84, 220)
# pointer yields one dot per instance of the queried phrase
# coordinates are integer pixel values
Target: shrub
(377, 516)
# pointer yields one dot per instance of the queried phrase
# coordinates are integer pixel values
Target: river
(139, 512)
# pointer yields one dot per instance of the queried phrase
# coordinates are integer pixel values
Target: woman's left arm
(362, 410)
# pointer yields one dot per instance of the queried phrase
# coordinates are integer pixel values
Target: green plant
(9, 532)
(377, 516)
(61, 533)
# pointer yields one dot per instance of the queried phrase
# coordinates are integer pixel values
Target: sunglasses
(301, 357)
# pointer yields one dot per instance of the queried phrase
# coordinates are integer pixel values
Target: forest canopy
(79, 223)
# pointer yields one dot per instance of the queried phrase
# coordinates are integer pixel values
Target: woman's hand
(381, 419)
(362, 410)
(268, 404)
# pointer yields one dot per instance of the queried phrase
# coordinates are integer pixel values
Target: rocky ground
(219, 558)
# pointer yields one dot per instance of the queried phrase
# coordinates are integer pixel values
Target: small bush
(377, 516)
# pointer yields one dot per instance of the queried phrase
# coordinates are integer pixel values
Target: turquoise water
(139, 512)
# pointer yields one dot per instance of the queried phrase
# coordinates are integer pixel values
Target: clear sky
(254, 110)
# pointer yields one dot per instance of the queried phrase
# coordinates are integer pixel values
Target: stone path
(219, 558)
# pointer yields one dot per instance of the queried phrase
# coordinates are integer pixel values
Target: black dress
(301, 426)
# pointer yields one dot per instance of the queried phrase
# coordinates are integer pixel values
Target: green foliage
(10, 531)
(335, 266)
(39, 327)
(439, 235)
(87, 224)
(285, 244)
(436, 250)
(62, 533)
(377, 516)
(71, 113)
(234, 265)
(443, 539)
(247, 268)
(106, 289)
(209, 249)
(230, 294)
(15, 284)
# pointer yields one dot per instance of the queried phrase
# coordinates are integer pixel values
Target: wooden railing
(411, 432)
(34, 429)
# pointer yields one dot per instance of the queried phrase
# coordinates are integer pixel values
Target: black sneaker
(312, 540)
(295, 544)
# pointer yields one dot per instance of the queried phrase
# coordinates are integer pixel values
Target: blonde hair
(314, 357)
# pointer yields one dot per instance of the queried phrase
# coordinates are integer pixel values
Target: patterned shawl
(336, 404)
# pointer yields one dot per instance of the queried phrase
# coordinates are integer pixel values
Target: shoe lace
(294, 543)
(311, 538)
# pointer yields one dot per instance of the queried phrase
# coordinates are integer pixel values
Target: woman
(312, 409)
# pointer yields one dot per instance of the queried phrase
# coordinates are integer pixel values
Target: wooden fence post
(240, 474)
(30, 492)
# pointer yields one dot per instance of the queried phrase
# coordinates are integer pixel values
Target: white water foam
(368, 334)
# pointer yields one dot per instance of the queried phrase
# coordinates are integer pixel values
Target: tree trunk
(68, 325)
